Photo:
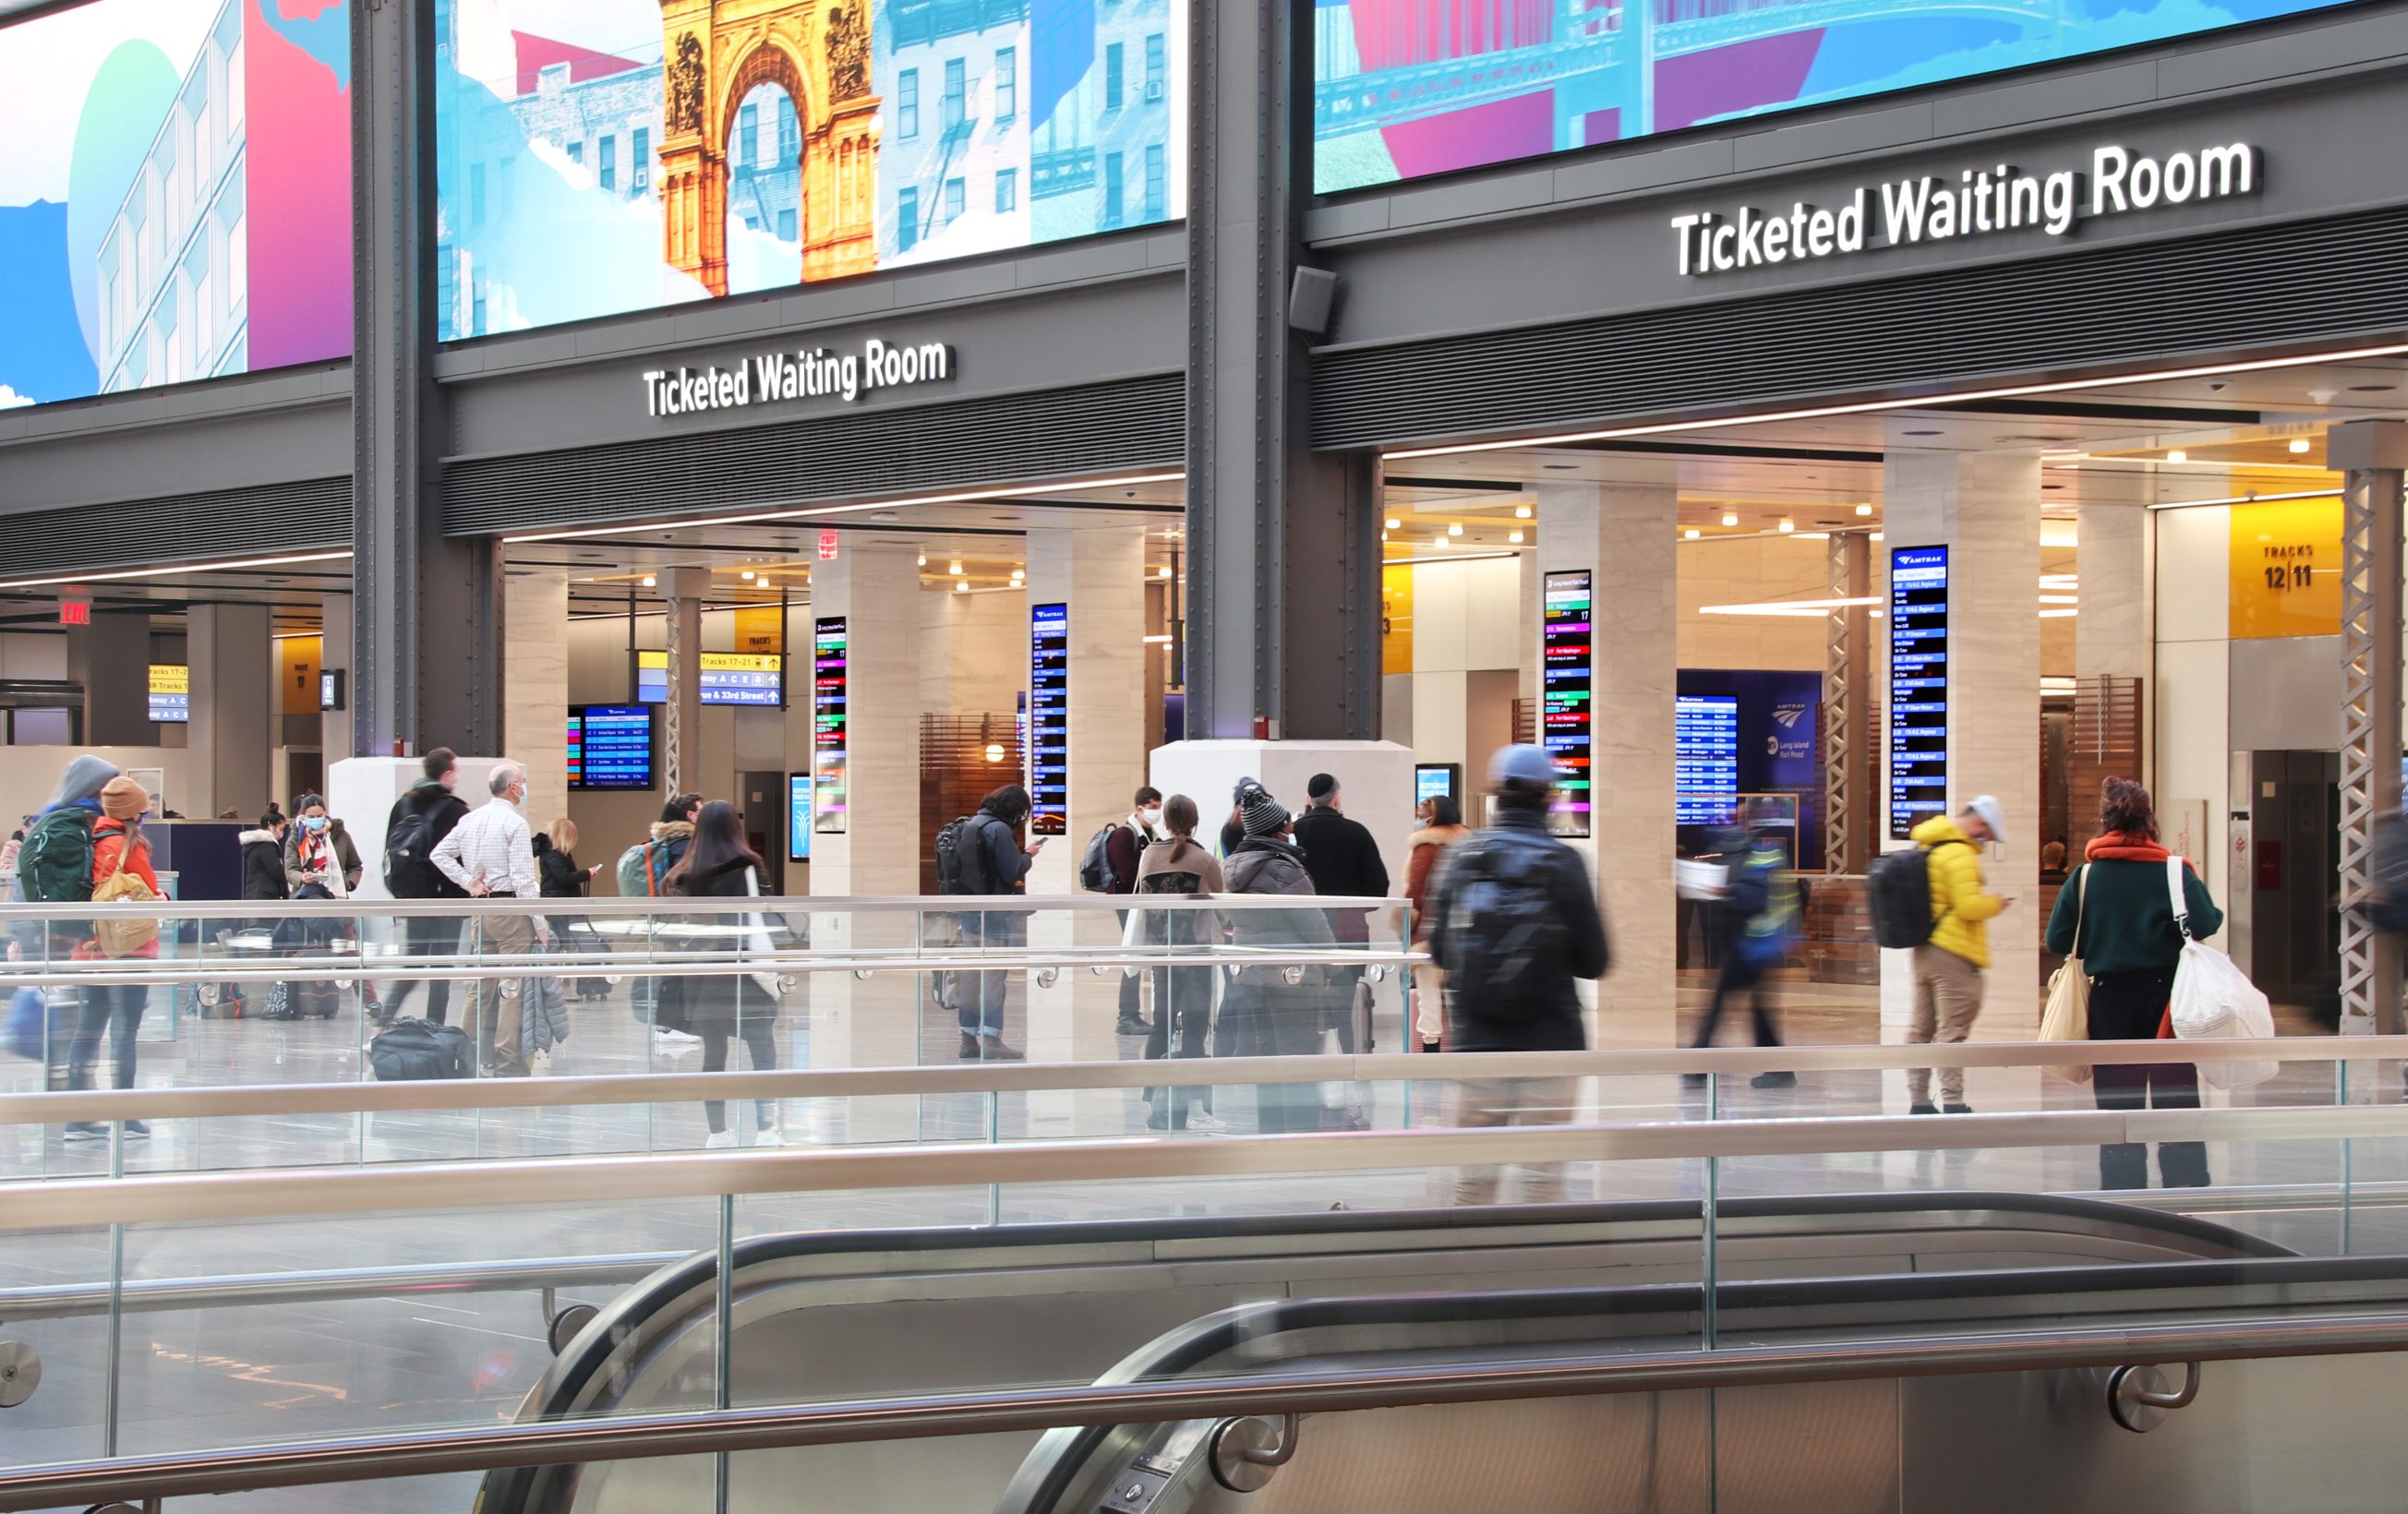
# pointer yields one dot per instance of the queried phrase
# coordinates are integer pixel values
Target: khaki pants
(494, 1004)
(1948, 997)
(1484, 1102)
(1429, 1002)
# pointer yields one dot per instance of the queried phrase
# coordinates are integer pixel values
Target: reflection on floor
(192, 1378)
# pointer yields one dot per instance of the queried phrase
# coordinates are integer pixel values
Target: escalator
(828, 1316)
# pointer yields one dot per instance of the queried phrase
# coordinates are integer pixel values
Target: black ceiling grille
(1129, 425)
(313, 515)
(2342, 278)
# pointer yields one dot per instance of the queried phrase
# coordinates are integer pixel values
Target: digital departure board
(726, 678)
(1919, 687)
(611, 747)
(831, 694)
(1705, 759)
(171, 693)
(798, 818)
(1567, 659)
(1049, 719)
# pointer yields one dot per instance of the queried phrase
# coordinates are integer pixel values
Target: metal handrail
(143, 1296)
(402, 1188)
(781, 904)
(59, 1107)
(1015, 1410)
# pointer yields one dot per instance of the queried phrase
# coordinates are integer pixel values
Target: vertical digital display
(831, 795)
(1049, 719)
(171, 693)
(1568, 660)
(1705, 759)
(609, 746)
(798, 818)
(1919, 687)
(1436, 781)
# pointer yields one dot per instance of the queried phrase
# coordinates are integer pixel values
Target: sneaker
(1432, 1047)
(993, 1050)
(87, 1130)
(539, 1064)
(719, 1140)
(1131, 1026)
(136, 1130)
(769, 1135)
(1960, 1109)
(1921, 1106)
(1201, 1118)
(969, 1046)
(670, 1044)
(1773, 1080)
(663, 1032)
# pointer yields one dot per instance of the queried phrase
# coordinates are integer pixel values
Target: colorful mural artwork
(175, 193)
(1408, 87)
(603, 156)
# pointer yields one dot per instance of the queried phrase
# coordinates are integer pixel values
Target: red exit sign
(75, 612)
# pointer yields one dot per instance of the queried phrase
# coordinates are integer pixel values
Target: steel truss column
(427, 624)
(1851, 812)
(2371, 455)
(1283, 565)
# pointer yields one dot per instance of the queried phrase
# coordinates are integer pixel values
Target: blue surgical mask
(313, 822)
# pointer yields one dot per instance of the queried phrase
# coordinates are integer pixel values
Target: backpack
(1898, 892)
(637, 878)
(961, 857)
(2386, 906)
(1095, 864)
(1503, 938)
(121, 937)
(409, 853)
(54, 865)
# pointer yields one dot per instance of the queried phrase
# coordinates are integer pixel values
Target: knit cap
(121, 798)
(1263, 814)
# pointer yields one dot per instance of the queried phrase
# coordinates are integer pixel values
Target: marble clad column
(875, 587)
(1101, 575)
(535, 689)
(1984, 509)
(334, 636)
(1626, 536)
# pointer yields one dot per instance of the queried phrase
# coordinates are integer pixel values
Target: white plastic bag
(2215, 1001)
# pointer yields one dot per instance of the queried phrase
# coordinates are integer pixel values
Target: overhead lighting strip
(128, 575)
(1924, 402)
(974, 496)
(2245, 499)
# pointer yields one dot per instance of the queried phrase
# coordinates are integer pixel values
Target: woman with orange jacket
(117, 845)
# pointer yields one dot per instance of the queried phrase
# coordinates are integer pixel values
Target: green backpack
(54, 865)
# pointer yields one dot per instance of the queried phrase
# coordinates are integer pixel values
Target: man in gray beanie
(1266, 1014)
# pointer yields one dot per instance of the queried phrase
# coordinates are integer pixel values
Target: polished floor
(253, 1371)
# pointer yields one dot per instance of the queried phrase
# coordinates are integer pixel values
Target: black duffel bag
(414, 1051)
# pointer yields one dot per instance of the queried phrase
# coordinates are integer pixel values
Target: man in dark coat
(1344, 861)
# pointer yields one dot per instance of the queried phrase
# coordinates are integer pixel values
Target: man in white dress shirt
(491, 853)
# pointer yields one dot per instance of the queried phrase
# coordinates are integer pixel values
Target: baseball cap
(1994, 814)
(1521, 763)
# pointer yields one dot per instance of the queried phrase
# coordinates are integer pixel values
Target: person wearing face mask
(1122, 852)
(319, 863)
(491, 855)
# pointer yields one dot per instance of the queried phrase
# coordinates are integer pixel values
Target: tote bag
(2067, 1015)
(2215, 1001)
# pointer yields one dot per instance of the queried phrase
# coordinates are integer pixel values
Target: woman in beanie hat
(117, 845)
(1264, 1014)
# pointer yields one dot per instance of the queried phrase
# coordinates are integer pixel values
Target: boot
(993, 1050)
(969, 1046)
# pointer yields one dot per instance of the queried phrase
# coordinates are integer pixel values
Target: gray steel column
(1283, 562)
(686, 590)
(2371, 455)
(426, 612)
(1851, 809)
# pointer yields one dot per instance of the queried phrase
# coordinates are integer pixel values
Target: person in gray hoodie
(1265, 1014)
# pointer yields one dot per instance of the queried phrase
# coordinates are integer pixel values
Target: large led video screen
(175, 193)
(603, 156)
(1407, 88)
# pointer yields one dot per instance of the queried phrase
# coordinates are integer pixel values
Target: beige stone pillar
(1625, 536)
(535, 688)
(1984, 509)
(233, 692)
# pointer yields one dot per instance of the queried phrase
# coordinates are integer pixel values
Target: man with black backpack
(980, 855)
(1931, 899)
(420, 819)
(1513, 922)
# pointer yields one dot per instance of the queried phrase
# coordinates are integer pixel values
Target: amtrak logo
(1788, 716)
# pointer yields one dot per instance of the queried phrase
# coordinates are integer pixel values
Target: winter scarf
(2123, 845)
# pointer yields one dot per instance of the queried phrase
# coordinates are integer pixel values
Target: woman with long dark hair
(718, 864)
(2119, 906)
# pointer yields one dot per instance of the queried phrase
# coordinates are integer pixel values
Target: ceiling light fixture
(1788, 607)
(1513, 536)
(1450, 558)
(123, 574)
(1729, 519)
(2177, 455)
(2060, 599)
(1455, 529)
(1395, 524)
(963, 586)
(1522, 512)
(1786, 526)
(1691, 533)
(955, 570)
(1438, 540)
(1162, 572)
(2300, 445)
(2058, 614)
(2235, 499)
(1927, 402)
(1864, 509)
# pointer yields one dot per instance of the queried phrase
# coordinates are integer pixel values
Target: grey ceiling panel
(313, 515)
